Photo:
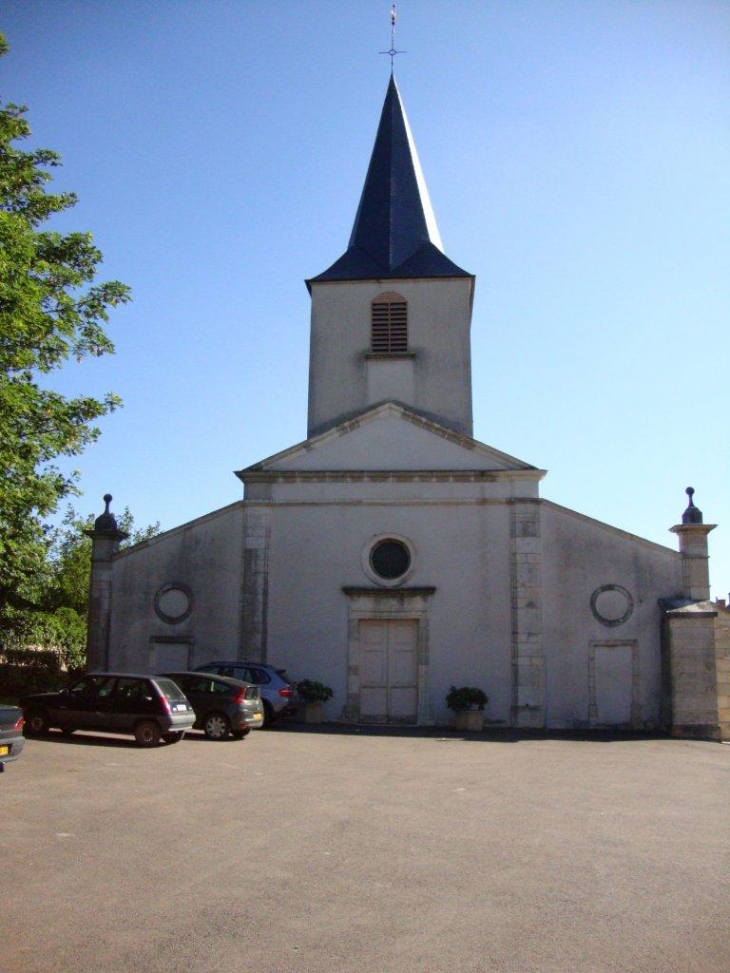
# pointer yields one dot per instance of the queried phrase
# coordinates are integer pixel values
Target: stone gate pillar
(693, 548)
(105, 540)
(696, 660)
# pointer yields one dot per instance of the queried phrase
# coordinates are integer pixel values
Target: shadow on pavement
(87, 738)
(448, 733)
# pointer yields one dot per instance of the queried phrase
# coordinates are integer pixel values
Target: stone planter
(471, 720)
(313, 712)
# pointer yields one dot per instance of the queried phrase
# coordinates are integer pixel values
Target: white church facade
(391, 555)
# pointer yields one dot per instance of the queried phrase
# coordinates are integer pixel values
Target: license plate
(180, 707)
(256, 718)
(4, 751)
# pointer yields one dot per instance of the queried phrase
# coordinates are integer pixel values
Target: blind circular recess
(173, 603)
(612, 604)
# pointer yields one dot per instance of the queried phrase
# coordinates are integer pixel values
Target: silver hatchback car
(277, 693)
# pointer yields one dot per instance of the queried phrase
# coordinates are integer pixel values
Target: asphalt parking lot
(334, 852)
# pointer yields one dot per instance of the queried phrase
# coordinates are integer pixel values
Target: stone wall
(698, 666)
(722, 655)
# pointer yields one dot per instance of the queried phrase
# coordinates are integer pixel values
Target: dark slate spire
(395, 232)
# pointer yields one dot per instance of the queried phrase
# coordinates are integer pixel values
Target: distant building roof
(395, 232)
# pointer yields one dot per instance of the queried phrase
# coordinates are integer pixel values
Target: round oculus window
(390, 559)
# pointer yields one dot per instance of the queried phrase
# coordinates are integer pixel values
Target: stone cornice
(684, 608)
(423, 592)
(387, 476)
(698, 529)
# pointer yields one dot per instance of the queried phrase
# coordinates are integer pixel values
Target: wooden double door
(388, 670)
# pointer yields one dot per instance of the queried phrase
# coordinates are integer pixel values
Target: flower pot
(469, 719)
(313, 712)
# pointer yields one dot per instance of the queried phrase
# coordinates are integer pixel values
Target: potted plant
(467, 703)
(314, 695)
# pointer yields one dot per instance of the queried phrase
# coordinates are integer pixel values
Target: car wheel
(240, 734)
(147, 734)
(175, 737)
(216, 726)
(36, 722)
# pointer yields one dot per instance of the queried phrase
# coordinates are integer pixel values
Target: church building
(391, 555)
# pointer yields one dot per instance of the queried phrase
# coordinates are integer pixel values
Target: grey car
(11, 734)
(276, 692)
(151, 708)
(222, 706)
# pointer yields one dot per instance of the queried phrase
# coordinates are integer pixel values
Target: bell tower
(391, 318)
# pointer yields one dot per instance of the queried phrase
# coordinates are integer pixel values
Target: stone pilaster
(255, 594)
(528, 671)
(105, 540)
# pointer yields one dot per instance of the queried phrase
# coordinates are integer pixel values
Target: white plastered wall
(460, 549)
(586, 565)
(203, 559)
(437, 379)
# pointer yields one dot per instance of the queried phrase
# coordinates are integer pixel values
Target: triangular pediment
(391, 437)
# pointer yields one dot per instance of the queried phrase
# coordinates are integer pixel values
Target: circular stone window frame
(161, 592)
(612, 622)
(378, 579)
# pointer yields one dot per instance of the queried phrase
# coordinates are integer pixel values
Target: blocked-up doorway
(169, 656)
(388, 670)
(613, 684)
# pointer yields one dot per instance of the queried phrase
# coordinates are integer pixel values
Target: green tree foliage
(61, 622)
(69, 562)
(57, 623)
(50, 314)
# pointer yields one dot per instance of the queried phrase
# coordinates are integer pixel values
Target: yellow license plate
(4, 751)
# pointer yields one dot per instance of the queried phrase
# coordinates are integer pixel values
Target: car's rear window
(170, 690)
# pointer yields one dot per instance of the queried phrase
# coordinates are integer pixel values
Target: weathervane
(392, 50)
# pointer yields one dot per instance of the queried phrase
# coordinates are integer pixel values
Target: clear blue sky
(578, 158)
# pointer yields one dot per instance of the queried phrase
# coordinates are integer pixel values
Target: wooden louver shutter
(389, 326)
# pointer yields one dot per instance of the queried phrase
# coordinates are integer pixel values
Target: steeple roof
(395, 232)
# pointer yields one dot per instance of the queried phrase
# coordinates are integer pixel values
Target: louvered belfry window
(389, 320)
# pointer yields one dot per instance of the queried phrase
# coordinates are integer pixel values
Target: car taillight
(166, 705)
(287, 691)
(239, 697)
(19, 725)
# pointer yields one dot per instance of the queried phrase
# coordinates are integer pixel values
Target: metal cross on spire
(392, 50)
